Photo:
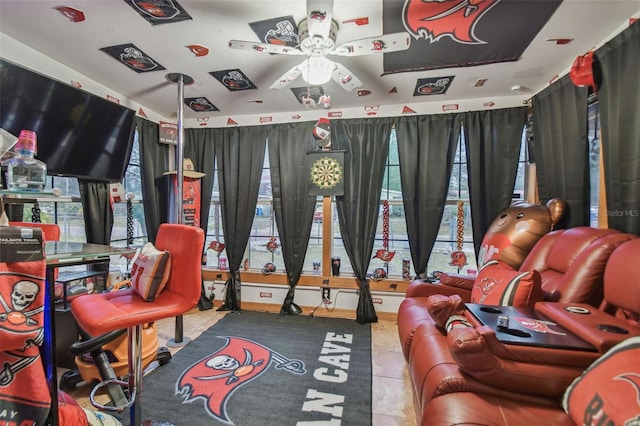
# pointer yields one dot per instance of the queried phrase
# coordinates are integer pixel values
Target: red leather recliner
(571, 263)
(518, 383)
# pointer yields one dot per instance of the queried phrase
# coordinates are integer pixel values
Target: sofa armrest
(419, 288)
(475, 358)
(600, 329)
(456, 280)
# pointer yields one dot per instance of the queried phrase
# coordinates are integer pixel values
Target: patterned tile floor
(391, 387)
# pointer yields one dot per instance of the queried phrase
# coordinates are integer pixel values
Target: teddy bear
(517, 229)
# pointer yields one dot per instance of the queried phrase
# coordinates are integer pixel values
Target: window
(594, 160)
(136, 225)
(447, 240)
(393, 211)
(264, 226)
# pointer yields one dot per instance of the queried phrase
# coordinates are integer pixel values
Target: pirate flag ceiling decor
(281, 31)
(132, 57)
(458, 33)
(159, 11)
(322, 132)
(312, 96)
(432, 86)
(233, 80)
(200, 104)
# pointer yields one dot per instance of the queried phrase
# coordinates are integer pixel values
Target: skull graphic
(223, 362)
(23, 294)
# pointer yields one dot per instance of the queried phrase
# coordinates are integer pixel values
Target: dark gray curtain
(492, 139)
(240, 156)
(560, 148)
(293, 207)
(366, 142)
(98, 218)
(153, 164)
(426, 149)
(199, 146)
(619, 97)
(96, 210)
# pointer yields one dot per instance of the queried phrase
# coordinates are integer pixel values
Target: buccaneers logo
(434, 19)
(215, 377)
(537, 325)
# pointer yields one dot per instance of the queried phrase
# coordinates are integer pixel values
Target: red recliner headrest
(622, 277)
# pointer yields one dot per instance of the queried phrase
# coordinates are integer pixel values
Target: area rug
(258, 368)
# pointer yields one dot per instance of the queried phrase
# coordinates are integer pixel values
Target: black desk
(527, 327)
(61, 254)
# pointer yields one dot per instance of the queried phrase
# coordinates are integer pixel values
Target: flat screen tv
(79, 134)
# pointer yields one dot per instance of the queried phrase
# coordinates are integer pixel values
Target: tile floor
(392, 398)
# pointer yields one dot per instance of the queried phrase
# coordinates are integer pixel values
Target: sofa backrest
(622, 282)
(571, 263)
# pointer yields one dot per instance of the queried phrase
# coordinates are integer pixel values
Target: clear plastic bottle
(25, 172)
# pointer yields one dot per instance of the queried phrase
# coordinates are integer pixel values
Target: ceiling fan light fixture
(317, 70)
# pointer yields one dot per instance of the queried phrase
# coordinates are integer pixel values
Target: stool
(101, 313)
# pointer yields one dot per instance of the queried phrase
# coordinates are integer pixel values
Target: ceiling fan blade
(319, 18)
(288, 76)
(264, 47)
(379, 44)
(345, 78)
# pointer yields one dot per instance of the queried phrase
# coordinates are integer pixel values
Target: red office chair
(105, 312)
(50, 231)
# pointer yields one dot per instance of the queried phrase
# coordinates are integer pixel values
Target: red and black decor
(461, 33)
(133, 57)
(159, 11)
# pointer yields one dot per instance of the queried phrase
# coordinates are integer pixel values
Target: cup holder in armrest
(490, 310)
(577, 310)
(612, 329)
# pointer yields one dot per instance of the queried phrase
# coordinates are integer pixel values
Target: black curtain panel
(560, 147)
(240, 156)
(292, 204)
(493, 139)
(153, 164)
(619, 97)
(96, 210)
(426, 148)
(98, 217)
(199, 146)
(366, 146)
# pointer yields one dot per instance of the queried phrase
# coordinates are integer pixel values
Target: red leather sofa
(468, 373)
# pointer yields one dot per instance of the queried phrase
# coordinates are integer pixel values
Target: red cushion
(608, 392)
(499, 284)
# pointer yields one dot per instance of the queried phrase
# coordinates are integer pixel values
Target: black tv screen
(79, 134)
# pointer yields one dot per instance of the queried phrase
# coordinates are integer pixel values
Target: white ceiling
(38, 25)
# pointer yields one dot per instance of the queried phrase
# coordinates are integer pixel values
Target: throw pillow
(608, 392)
(499, 284)
(150, 271)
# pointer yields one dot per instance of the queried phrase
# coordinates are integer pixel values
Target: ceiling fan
(317, 34)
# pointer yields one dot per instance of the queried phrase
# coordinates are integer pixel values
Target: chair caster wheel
(163, 356)
(69, 380)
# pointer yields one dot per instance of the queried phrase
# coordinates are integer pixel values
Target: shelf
(29, 196)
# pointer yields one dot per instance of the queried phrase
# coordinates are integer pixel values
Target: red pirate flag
(384, 255)
(216, 377)
(216, 246)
